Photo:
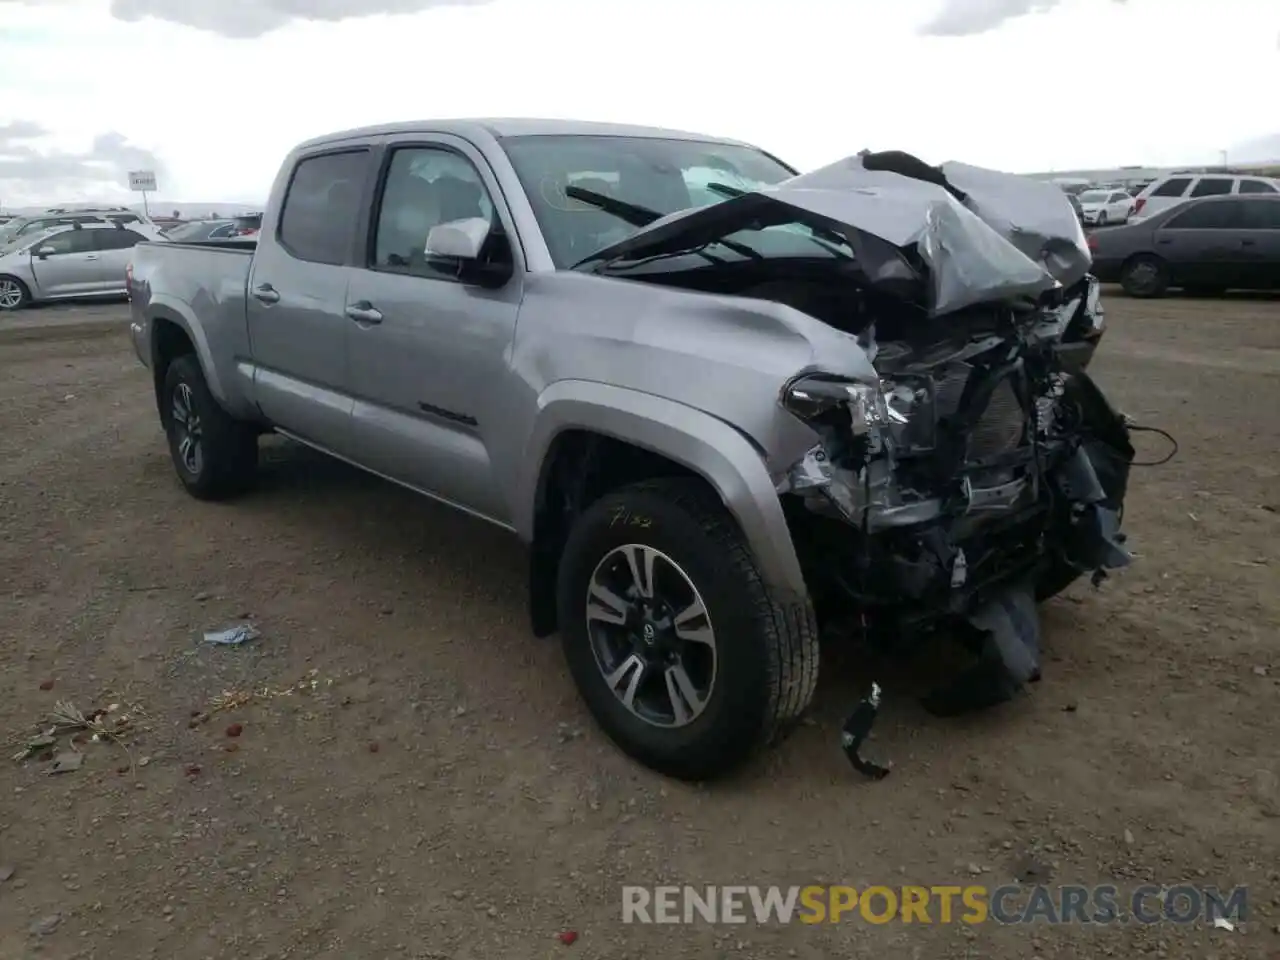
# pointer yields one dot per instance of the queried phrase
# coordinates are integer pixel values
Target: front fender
(710, 447)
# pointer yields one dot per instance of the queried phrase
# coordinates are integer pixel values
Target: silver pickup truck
(722, 403)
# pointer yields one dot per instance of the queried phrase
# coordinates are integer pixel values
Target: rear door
(1202, 244)
(115, 248)
(67, 263)
(297, 294)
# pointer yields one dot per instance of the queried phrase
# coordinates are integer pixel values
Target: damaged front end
(983, 470)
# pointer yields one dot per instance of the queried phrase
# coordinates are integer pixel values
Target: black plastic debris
(856, 730)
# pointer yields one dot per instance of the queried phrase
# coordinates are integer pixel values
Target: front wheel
(13, 294)
(682, 656)
(216, 456)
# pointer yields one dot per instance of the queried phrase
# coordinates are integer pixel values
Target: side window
(1172, 188)
(223, 231)
(1212, 187)
(117, 239)
(424, 187)
(69, 241)
(1256, 186)
(1261, 214)
(1214, 215)
(321, 206)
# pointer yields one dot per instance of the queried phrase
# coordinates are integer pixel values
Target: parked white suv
(1171, 190)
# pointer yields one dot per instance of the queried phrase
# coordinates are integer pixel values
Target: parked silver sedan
(69, 261)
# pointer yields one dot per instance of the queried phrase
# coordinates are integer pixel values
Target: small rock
(459, 895)
(374, 748)
(1259, 671)
(235, 730)
(492, 911)
(46, 684)
(975, 869)
(1128, 837)
(6, 872)
(46, 925)
(201, 597)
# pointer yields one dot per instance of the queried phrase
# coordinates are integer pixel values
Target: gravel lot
(432, 788)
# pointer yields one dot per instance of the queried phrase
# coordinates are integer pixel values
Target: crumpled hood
(946, 237)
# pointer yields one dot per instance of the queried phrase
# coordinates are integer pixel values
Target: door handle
(1248, 243)
(91, 256)
(364, 312)
(266, 293)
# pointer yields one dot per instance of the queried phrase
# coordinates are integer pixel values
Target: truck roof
(516, 127)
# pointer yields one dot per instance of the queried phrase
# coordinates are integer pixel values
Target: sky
(210, 94)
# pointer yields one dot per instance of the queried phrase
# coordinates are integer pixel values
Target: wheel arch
(591, 438)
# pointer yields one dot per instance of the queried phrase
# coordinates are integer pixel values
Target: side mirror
(458, 239)
(45, 252)
(472, 250)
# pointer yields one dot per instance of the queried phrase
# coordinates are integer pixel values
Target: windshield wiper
(727, 191)
(635, 215)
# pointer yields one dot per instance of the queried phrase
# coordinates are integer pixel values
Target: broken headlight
(819, 397)
(909, 402)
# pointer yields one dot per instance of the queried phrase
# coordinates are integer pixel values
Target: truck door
(297, 294)
(428, 351)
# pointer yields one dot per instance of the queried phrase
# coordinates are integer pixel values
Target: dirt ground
(433, 788)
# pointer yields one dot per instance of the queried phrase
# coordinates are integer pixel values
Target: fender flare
(733, 465)
(179, 314)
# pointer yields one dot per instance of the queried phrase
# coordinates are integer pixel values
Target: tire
(764, 655)
(1145, 276)
(226, 450)
(14, 294)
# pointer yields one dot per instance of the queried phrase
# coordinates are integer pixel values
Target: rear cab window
(322, 204)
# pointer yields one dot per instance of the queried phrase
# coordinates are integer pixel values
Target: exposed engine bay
(985, 471)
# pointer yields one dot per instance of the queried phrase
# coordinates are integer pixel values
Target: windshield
(652, 174)
(1095, 196)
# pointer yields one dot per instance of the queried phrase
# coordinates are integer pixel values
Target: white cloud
(1088, 83)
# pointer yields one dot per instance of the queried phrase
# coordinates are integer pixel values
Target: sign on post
(142, 181)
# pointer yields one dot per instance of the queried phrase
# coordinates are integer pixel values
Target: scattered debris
(568, 937)
(856, 730)
(111, 725)
(66, 763)
(1128, 837)
(373, 748)
(1071, 707)
(6, 872)
(232, 636)
(46, 684)
(1259, 671)
(235, 730)
(1222, 923)
(192, 770)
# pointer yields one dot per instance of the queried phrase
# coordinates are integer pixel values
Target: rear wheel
(673, 640)
(216, 456)
(13, 294)
(1145, 276)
